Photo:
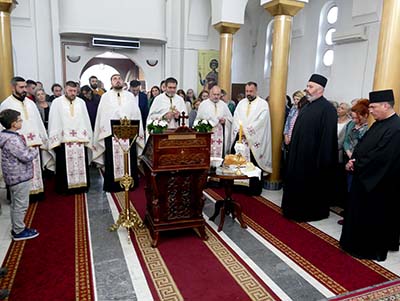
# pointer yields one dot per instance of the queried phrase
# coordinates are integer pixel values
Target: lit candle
(240, 132)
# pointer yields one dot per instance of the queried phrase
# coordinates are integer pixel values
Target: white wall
(147, 51)
(32, 41)
(174, 30)
(139, 19)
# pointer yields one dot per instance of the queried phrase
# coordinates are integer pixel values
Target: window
(325, 49)
(268, 49)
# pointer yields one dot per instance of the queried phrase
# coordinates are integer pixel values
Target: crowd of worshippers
(331, 156)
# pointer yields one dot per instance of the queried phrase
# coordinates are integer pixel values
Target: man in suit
(140, 98)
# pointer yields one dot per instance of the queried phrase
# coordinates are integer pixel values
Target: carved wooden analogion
(176, 165)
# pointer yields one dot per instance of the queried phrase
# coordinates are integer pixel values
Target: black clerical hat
(319, 79)
(381, 96)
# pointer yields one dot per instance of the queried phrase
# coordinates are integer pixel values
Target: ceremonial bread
(234, 160)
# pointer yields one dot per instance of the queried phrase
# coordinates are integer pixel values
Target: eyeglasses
(20, 120)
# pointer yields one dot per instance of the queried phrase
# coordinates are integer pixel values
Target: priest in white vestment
(115, 105)
(252, 123)
(70, 139)
(33, 131)
(217, 113)
(168, 105)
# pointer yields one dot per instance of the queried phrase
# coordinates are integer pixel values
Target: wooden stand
(176, 165)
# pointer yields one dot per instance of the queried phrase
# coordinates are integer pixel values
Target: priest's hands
(350, 165)
(169, 115)
(222, 120)
(176, 114)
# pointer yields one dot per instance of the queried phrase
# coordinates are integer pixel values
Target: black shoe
(3, 272)
(381, 256)
(4, 294)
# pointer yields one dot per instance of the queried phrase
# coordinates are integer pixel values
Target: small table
(228, 205)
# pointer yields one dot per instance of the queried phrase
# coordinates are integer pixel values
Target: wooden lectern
(176, 165)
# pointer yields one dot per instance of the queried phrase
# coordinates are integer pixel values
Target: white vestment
(162, 104)
(221, 137)
(69, 123)
(256, 124)
(115, 105)
(35, 135)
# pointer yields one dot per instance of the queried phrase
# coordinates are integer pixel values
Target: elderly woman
(43, 106)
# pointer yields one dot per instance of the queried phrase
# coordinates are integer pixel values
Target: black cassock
(371, 224)
(110, 184)
(310, 183)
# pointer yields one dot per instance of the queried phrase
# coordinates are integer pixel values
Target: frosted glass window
(328, 58)
(332, 15)
(328, 36)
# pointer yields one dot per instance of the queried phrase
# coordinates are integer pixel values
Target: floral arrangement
(157, 126)
(202, 125)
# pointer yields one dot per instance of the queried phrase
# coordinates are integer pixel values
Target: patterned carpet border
(83, 273)
(242, 276)
(329, 239)
(323, 278)
(250, 285)
(164, 283)
(15, 252)
(388, 291)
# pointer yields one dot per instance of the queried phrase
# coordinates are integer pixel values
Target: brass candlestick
(127, 217)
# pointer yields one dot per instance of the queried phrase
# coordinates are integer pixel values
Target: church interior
(262, 255)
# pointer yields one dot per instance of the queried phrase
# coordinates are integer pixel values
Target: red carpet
(388, 291)
(316, 252)
(56, 264)
(184, 267)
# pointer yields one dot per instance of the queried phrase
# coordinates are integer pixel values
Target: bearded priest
(33, 131)
(217, 113)
(70, 139)
(115, 105)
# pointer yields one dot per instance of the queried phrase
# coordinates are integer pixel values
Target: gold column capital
(227, 27)
(7, 5)
(284, 7)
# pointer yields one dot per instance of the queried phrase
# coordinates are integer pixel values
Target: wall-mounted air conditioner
(356, 34)
(115, 43)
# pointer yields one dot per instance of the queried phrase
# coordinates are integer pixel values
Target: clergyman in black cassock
(310, 173)
(371, 224)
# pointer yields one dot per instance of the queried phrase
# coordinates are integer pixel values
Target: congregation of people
(331, 157)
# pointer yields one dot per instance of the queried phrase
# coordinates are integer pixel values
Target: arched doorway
(103, 66)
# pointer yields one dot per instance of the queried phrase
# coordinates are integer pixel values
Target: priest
(371, 223)
(310, 181)
(33, 131)
(70, 138)
(168, 105)
(115, 105)
(251, 131)
(217, 113)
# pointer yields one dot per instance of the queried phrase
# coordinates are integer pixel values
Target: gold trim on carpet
(297, 258)
(82, 271)
(329, 239)
(16, 251)
(311, 269)
(164, 284)
(242, 276)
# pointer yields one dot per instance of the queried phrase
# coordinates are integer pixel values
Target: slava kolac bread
(234, 160)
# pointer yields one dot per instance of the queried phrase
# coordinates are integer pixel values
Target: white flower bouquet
(202, 125)
(157, 126)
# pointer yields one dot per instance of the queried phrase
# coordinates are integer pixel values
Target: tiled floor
(287, 279)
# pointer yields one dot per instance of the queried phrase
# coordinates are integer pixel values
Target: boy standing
(17, 166)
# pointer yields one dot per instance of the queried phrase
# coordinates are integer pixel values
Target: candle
(240, 132)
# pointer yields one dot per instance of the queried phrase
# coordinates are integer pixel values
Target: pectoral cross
(183, 116)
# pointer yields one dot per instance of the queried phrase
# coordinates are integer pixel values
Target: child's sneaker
(26, 234)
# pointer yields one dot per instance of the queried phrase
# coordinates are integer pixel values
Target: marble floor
(118, 275)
